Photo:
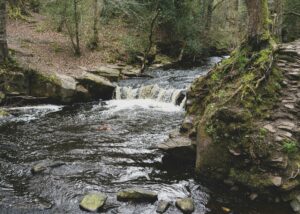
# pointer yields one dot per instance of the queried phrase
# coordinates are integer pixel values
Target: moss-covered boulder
(245, 119)
(93, 202)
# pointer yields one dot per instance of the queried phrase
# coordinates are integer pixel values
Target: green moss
(3, 113)
(252, 178)
(290, 146)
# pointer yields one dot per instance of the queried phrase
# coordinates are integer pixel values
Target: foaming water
(146, 104)
(29, 113)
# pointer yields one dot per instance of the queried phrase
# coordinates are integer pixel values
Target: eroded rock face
(137, 195)
(186, 205)
(54, 88)
(98, 87)
(111, 72)
(93, 202)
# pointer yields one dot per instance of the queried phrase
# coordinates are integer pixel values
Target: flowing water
(106, 147)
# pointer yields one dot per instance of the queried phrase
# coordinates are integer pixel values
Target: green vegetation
(290, 146)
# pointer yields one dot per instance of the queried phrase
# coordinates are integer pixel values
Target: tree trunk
(63, 17)
(3, 39)
(151, 34)
(76, 19)
(258, 26)
(278, 19)
(96, 22)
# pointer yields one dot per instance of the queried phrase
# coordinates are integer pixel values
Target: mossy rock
(93, 202)
(137, 195)
(3, 113)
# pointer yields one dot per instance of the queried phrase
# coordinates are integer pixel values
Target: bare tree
(3, 39)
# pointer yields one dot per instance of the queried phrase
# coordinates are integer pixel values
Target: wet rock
(93, 201)
(179, 147)
(98, 87)
(162, 206)
(187, 123)
(186, 205)
(136, 195)
(226, 209)
(38, 168)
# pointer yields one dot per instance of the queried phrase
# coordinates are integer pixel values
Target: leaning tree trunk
(3, 40)
(258, 26)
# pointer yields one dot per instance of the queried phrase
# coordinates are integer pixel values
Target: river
(106, 147)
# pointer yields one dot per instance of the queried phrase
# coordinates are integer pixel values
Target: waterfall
(154, 92)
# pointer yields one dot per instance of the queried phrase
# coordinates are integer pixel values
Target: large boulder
(136, 195)
(99, 87)
(70, 91)
(93, 202)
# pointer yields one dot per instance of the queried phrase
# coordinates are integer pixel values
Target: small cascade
(153, 92)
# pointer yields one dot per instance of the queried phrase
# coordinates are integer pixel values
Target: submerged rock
(136, 195)
(186, 205)
(162, 206)
(93, 201)
(41, 167)
(38, 168)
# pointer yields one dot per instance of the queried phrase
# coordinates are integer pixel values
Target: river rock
(38, 168)
(98, 87)
(3, 113)
(93, 201)
(179, 146)
(162, 206)
(136, 195)
(186, 205)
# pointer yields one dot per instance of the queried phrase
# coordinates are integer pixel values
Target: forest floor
(37, 45)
